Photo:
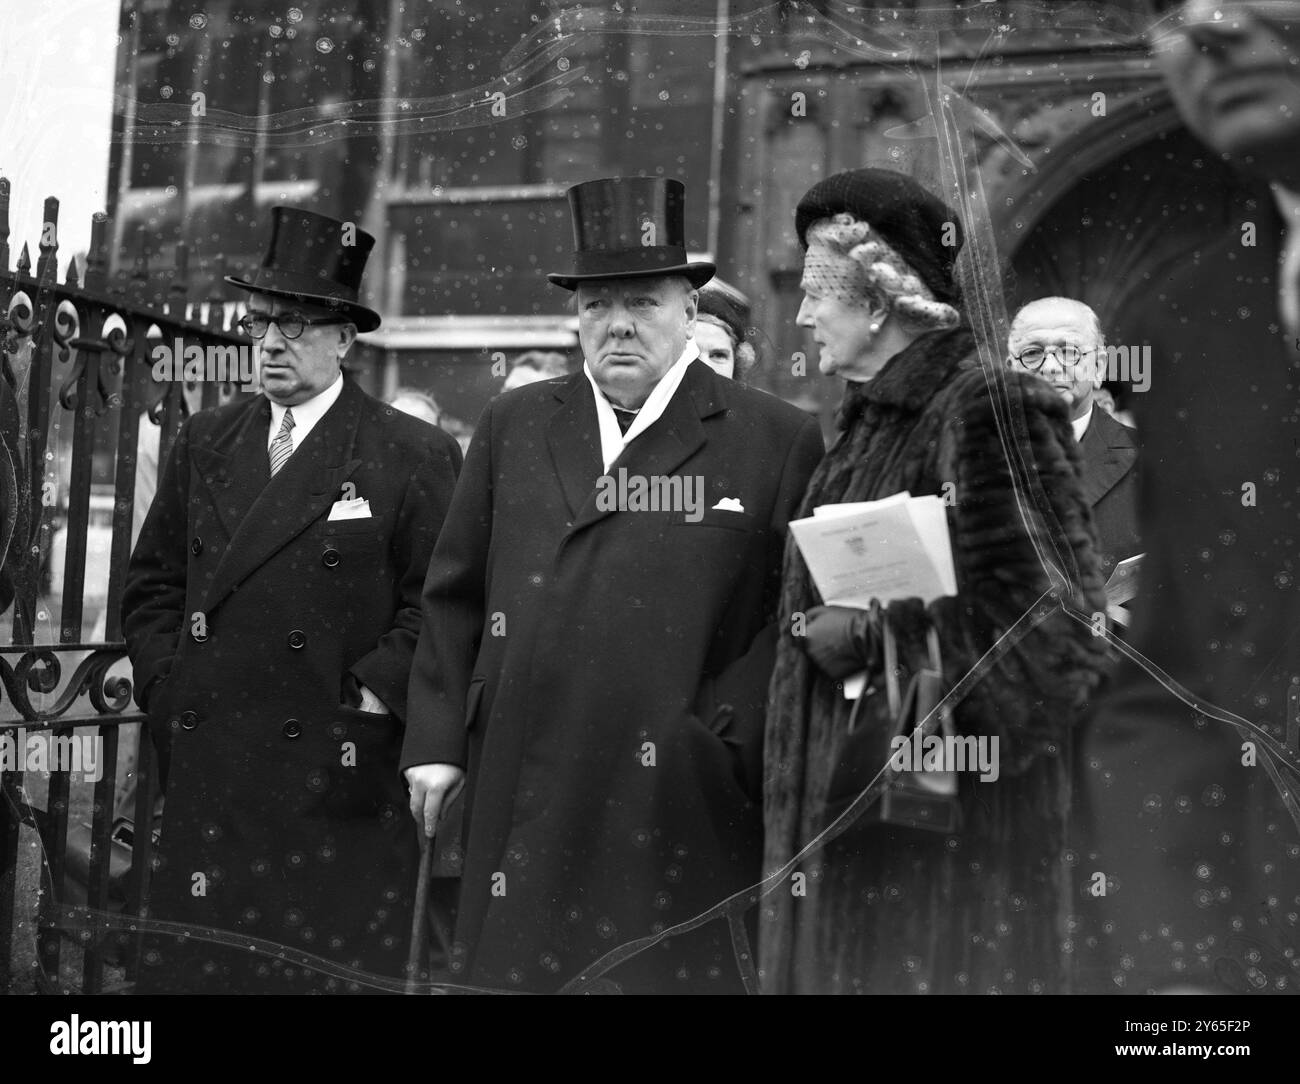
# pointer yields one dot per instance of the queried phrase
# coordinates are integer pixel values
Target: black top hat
(629, 227)
(315, 258)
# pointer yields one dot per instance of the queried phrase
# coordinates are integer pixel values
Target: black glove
(841, 640)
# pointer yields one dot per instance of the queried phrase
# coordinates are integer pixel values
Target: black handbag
(913, 797)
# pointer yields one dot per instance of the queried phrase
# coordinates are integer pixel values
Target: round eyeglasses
(291, 324)
(1032, 357)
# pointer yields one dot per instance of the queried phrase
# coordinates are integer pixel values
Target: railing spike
(47, 263)
(97, 258)
(72, 279)
(4, 224)
(179, 285)
(140, 266)
(25, 261)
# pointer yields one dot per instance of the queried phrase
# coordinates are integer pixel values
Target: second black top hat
(315, 258)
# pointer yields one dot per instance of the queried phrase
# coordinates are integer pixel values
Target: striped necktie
(282, 446)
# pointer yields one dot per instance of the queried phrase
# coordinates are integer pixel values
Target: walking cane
(417, 920)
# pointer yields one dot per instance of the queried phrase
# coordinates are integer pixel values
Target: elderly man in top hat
(271, 612)
(1188, 806)
(598, 632)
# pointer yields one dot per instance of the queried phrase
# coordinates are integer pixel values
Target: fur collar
(910, 378)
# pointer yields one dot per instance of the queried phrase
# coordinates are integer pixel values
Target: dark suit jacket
(258, 615)
(604, 673)
(1185, 819)
(1109, 476)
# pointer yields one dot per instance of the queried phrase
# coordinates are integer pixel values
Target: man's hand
(370, 702)
(433, 788)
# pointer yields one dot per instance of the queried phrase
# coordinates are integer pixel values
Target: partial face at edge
(1233, 71)
(716, 350)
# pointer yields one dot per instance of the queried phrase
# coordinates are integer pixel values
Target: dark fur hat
(913, 221)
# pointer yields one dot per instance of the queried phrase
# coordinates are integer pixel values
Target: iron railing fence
(79, 373)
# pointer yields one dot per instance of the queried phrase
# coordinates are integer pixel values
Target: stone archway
(1118, 207)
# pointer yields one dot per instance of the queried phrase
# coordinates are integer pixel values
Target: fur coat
(888, 909)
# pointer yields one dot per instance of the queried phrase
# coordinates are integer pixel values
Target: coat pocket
(717, 517)
(473, 697)
(372, 525)
(355, 771)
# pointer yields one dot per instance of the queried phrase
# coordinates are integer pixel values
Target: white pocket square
(357, 508)
(729, 504)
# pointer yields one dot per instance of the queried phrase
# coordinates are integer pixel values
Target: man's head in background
(1060, 340)
(534, 365)
(722, 330)
(417, 403)
(1233, 71)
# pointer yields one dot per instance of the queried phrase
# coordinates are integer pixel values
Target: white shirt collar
(612, 439)
(306, 414)
(1081, 423)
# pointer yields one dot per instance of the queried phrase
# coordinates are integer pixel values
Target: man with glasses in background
(271, 610)
(1190, 866)
(1060, 340)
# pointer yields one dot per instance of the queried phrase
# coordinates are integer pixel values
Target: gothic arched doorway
(1107, 239)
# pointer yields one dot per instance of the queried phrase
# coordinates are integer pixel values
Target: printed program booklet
(889, 549)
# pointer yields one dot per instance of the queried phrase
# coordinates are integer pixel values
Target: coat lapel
(573, 436)
(670, 441)
(1108, 451)
(235, 467)
(283, 507)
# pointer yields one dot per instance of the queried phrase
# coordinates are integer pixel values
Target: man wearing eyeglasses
(271, 611)
(1060, 340)
(1192, 860)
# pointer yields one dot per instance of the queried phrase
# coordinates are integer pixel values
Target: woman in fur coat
(888, 907)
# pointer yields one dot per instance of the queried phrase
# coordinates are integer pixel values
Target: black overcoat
(1108, 474)
(1185, 820)
(578, 660)
(250, 619)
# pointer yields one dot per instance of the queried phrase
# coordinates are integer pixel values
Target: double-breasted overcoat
(251, 618)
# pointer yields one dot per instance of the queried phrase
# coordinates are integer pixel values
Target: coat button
(297, 639)
(189, 720)
(196, 546)
(330, 558)
(291, 729)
